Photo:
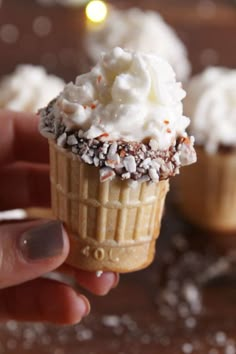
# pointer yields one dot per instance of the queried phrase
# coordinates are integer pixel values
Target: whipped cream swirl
(211, 103)
(127, 95)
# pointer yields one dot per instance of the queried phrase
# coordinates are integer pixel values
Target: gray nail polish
(44, 241)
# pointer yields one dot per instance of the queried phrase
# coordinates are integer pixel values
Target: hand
(31, 249)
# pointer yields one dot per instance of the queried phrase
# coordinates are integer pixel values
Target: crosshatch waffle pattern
(212, 204)
(104, 216)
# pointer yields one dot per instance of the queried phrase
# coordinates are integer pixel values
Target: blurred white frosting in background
(211, 104)
(135, 29)
(28, 88)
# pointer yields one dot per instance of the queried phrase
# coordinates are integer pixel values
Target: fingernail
(86, 305)
(116, 280)
(44, 241)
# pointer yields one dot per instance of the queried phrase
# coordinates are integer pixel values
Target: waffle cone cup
(112, 226)
(208, 191)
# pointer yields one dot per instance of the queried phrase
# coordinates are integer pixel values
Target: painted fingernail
(86, 305)
(44, 241)
(116, 280)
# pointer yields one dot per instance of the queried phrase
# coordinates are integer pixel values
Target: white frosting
(211, 103)
(28, 88)
(138, 30)
(128, 95)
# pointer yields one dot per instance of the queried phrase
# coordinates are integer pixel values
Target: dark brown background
(207, 27)
(150, 312)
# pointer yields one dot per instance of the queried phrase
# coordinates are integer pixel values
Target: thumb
(30, 249)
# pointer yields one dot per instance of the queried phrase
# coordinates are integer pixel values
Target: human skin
(24, 182)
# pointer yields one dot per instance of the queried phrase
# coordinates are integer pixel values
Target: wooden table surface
(186, 301)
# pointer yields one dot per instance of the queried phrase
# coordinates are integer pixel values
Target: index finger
(20, 138)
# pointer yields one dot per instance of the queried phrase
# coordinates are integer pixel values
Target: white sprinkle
(61, 140)
(130, 164)
(91, 152)
(111, 321)
(220, 338)
(104, 148)
(96, 161)
(116, 158)
(191, 293)
(87, 159)
(155, 164)
(84, 335)
(192, 296)
(67, 106)
(187, 348)
(71, 140)
(146, 163)
(187, 154)
(99, 273)
(125, 175)
(93, 132)
(153, 174)
(112, 151)
(143, 147)
(106, 174)
(177, 159)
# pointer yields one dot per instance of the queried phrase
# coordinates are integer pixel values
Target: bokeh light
(9, 33)
(42, 26)
(96, 11)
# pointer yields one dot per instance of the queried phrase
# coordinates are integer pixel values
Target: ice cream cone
(115, 140)
(208, 191)
(112, 226)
